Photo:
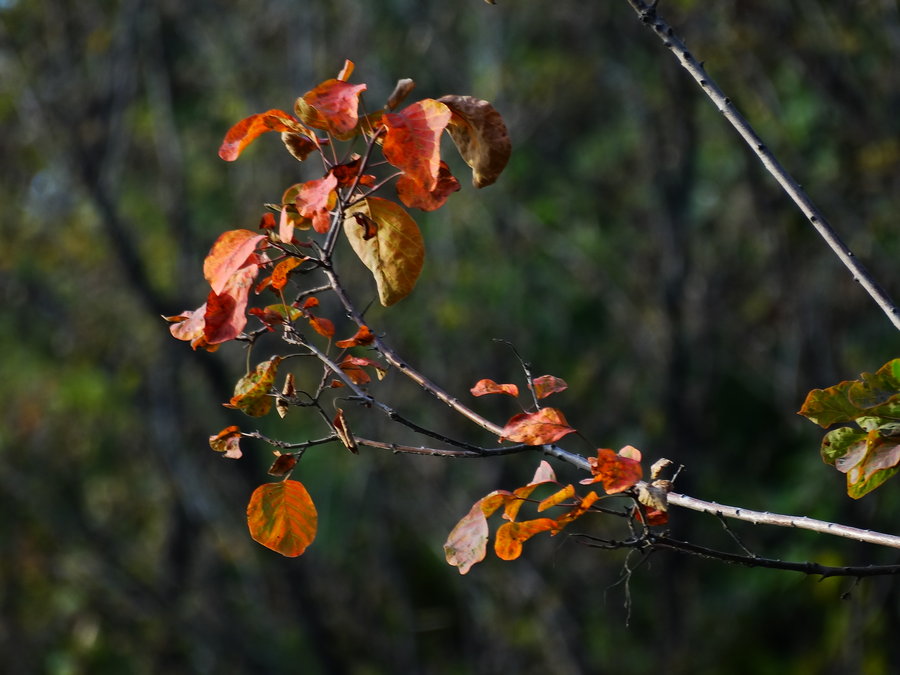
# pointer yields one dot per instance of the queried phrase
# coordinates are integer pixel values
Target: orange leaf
(283, 464)
(332, 106)
(510, 536)
(414, 195)
(484, 387)
(512, 505)
(299, 145)
(282, 270)
(227, 441)
(480, 135)
(281, 516)
(557, 498)
(412, 142)
(579, 510)
(615, 471)
(356, 374)
(230, 252)
(547, 384)
(362, 337)
(395, 254)
(315, 199)
(247, 130)
(251, 393)
(322, 326)
(189, 326)
(346, 71)
(547, 425)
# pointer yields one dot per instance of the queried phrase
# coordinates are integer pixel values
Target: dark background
(633, 247)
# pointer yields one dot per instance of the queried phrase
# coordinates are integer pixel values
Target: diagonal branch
(650, 18)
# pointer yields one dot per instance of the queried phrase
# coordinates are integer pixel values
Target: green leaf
(252, 392)
(829, 406)
(877, 389)
(394, 253)
(281, 516)
(843, 442)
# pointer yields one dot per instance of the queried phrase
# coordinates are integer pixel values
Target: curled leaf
(480, 135)
(332, 106)
(250, 128)
(511, 536)
(395, 254)
(363, 337)
(617, 472)
(414, 195)
(547, 384)
(547, 425)
(228, 442)
(484, 387)
(343, 432)
(401, 91)
(283, 464)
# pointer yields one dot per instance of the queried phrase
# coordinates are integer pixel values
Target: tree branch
(650, 18)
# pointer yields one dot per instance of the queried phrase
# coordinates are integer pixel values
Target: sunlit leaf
(484, 387)
(299, 145)
(480, 135)
(557, 498)
(287, 391)
(190, 326)
(401, 90)
(249, 129)
(252, 392)
(828, 406)
(315, 199)
(547, 384)
(510, 536)
(616, 472)
(413, 140)
(582, 507)
(282, 271)
(466, 544)
(874, 390)
(543, 474)
(332, 106)
(414, 195)
(362, 337)
(228, 442)
(283, 464)
(323, 326)
(281, 516)
(226, 312)
(547, 425)
(230, 252)
(512, 505)
(346, 70)
(395, 254)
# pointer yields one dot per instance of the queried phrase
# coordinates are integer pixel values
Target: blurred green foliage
(633, 248)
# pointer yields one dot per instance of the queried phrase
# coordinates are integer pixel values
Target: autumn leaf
(342, 429)
(395, 254)
(323, 326)
(230, 252)
(510, 536)
(617, 472)
(287, 391)
(484, 387)
(252, 392)
(413, 140)
(401, 90)
(414, 195)
(480, 135)
(332, 106)
(583, 506)
(466, 544)
(547, 425)
(299, 145)
(189, 326)
(557, 498)
(249, 129)
(281, 516)
(315, 199)
(547, 384)
(283, 464)
(225, 315)
(282, 271)
(362, 337)
(227, 441)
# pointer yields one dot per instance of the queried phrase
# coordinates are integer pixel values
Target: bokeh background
(633, 247)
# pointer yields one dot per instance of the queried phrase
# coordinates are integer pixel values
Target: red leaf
(230, 252)
(484, 387)
(225, 315)
(322, 326)
(362, 337)
(332, 106)
(283, 464)
(190, 326)
(547, 384)
(412, 142)
(281, 516)
(315, 199)
(547, 425)
(414, 195)
(616, 471)
(227, 441)
(247, 130)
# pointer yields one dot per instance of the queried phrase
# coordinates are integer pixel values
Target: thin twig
(651, 18)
